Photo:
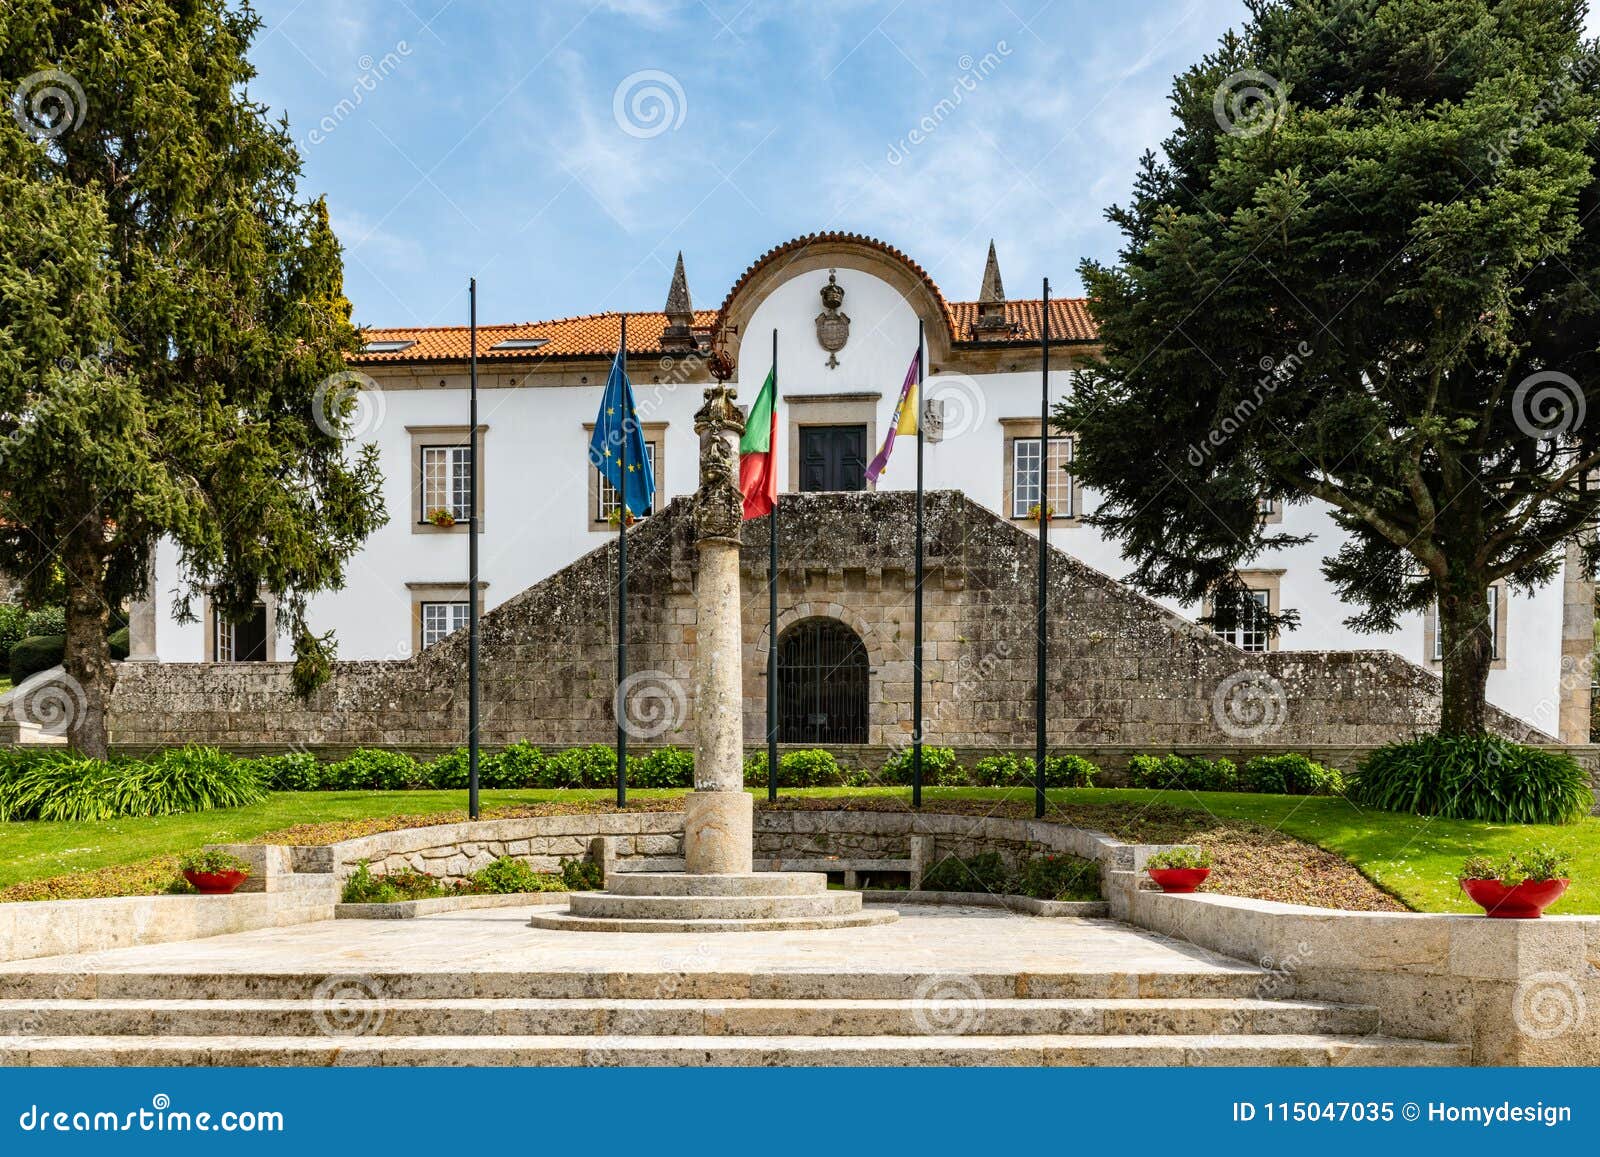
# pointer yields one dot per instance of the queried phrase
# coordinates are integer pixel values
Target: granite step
(682, 1017)
(733, 984)
(628, 906)
(1309, 1049)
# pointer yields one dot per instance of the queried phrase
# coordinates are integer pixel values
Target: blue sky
(563, 151)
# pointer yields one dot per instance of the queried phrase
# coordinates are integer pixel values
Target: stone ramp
(949, 986)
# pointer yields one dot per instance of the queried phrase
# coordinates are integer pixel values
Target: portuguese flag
(758, 459)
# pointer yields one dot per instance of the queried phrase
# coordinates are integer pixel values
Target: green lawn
(1412, 857)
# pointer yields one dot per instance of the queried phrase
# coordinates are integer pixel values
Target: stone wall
(1123, 670)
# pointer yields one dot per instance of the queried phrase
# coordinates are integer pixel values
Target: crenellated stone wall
(1124, 671)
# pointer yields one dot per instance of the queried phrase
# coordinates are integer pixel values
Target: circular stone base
(570, 923)
(713, 902)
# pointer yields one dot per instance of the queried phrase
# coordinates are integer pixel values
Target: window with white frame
(447, 481)
(1025, 477)
(441, 619)
(1249, 631)
(1494, 628)
(606, 494)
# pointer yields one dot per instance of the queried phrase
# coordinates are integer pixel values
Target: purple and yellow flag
(905, 416)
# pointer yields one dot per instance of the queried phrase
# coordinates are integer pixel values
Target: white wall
(537, 489)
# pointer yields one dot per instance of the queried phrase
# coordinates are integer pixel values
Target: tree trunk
(87, 659)
(1467, 646)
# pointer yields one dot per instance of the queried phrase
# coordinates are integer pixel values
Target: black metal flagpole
(1041, 637)
(916, 654)
(472, 561)
(621, 708)
(772, 595)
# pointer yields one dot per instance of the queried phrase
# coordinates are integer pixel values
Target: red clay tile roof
(593, 335)
(596, 334)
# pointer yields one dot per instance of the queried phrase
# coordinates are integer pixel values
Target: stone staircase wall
(1124, 670)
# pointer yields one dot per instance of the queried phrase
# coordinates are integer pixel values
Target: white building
(542, 505)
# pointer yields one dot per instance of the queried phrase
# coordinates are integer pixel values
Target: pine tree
(171, 313)
(1365, 273)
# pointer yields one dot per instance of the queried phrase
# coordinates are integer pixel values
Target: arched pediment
(821, 251)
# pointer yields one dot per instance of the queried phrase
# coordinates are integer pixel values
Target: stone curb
(1028, 904)
(410, 909)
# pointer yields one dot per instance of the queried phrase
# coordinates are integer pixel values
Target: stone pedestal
(718, 892)
(718, 832)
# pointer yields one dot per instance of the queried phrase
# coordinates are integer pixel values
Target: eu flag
(617, 421)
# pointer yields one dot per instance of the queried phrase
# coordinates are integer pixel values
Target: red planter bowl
(216, 883)
(1179, 879)
(1522, 901)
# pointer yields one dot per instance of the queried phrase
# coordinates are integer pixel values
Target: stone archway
(824, 683)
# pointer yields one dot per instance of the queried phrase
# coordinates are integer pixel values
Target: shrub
(62, 785)
(45, 621)
(1473, 777)
(450, 772)
(365, 888)
(519, 765)
(1290, 774)
(592, 766)
(117, 640)
(939, 767)
(13, 620)
(210, 861)
(664, 767)
(1002, 770)
(509, 874)
(1180, 858)
(582, 875)
(808, 767)
(187, 779)
(1058, 878)
(1066, 771)
(984, 872)
(1183, 773)
(35, 653)
(373, 769)
(291, 771)
(1537, 864)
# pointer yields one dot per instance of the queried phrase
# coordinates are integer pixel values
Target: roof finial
(992, 296)
(678, 334)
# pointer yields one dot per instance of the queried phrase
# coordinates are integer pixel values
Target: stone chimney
(991, 300)
(678, 336)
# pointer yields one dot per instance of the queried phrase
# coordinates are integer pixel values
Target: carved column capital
(718, 504)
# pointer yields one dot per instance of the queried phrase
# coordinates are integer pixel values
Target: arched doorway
(822, 683)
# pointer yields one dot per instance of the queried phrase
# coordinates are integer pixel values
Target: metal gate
(822, 684)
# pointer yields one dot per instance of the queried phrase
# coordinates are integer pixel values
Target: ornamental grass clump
(1473, 777)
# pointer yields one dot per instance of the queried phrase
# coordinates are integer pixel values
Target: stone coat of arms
(833, 327)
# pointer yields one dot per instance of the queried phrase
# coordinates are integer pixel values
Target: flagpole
(472, 562)
(772, 596)
(916, 656)
(622, 580)
(1040, 637)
